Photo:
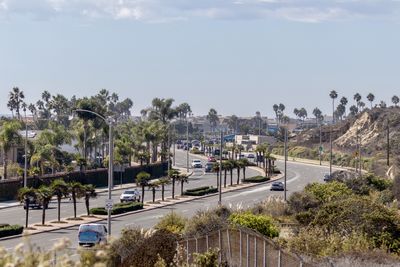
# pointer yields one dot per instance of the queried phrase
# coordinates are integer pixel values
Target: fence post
(255, 251)
(240, 248)
(207, 242)
(265, 255)
(279, 258)
(197, 246)
(247, 250)
(229, 244)
(220, 246)
(187, 252)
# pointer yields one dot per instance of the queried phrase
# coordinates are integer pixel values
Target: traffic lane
(242, 197)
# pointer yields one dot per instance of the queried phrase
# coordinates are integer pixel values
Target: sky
(237, 56)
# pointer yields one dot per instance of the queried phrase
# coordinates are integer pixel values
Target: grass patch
(10, 230)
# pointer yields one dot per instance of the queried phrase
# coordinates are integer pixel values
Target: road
(299, 175)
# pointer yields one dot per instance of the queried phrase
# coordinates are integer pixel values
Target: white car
(196, 163)
(92, 234)
(130, 196)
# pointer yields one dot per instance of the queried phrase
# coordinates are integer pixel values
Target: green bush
(172, 222)
(260, 223)
(197, 189)
(257, 179)
(208, 221)
(201, 192)
(119, 208)
(10, 230)
(329, 191)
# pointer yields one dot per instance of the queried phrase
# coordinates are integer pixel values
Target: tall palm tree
(215, 168)
(333, 95)
(16, 98)
(371, 98)
(44, 195)
(174, 175)
(244, 164)
(153, 186)
(25, 195)
(213, 118)
(9, 136)
(357, 98)
(90, 192)
(142, 180)
(344, 102)
(275, 107)
(232, 165)
(60, 190)
(77, 191)
(317, 113)
(395, 100)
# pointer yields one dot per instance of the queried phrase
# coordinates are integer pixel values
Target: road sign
(109, 204)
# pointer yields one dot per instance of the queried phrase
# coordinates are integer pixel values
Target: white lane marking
(55, 239)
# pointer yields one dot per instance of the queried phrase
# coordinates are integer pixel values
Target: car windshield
(90, 227)
(88, 236)
(129, 192)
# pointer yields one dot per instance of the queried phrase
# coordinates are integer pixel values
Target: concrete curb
(189, 199)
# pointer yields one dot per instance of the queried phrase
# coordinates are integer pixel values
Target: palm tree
(317, 113)
(275, 107)
(9, 136)
(232, 165)
(60, 190)
(395, 100)
(244, 164)
(225, 167)
(173, 174)
(16, 98)
(44, 195)
(238, 165)
(26, 194)
(77, 191)
(344, 102)
(333, 95)
(142, 179)
(371, 98)
(183, 178)
(90, 192)
(215, 168)
(357, 98)
(163, 182)
(212, 117)
(353, 110)
(153, 186)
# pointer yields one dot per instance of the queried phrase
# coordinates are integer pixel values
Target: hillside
(371, 126)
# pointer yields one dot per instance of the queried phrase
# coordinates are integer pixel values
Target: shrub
(208, 221)
(197, 189)
(118, 208)
(172, 222)
(201, 192)
(207, 259)
(328, 192)
(272, 206)
(257, 179)
(260, 223)
(10, 230)
(145, 248)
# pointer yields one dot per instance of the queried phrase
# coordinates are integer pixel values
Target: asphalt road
(299, 175)
(16, 215)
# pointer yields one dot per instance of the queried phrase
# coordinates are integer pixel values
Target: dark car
(277, 186)
(35, 203)
(327, 177)
(209, 167)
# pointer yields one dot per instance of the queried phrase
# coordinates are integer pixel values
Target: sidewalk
(14, 203)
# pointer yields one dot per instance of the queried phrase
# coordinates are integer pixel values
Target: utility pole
(174, 140)
(286, 157)
(169, 148)
(110, 172)
(320, 144)
(220, 173)
(26, 152)
(359, 153)
(187, 144)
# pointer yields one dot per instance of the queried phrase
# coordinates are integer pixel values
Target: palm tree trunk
(238, 175)
(26, 212)
(87, 205)
(58, 208)
(154, 194)
(43, 213)
(244, 174)
(143, 194)
(162, 192)
(225, 178)
(231, 171)
(173, 187)
(218, 179)
(74, 201)
(5, 164)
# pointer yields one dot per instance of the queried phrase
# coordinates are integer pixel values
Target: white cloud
(167, 10)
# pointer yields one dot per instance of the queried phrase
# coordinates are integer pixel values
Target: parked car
(92, 234)
(211, 159)
(250, 156)
(277, 186)
(196, 163)
(208, 167)
(35, 203)
(130, 196)
(240, 156)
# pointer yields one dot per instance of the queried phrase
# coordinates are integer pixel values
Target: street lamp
(187, 142)
(220, 172)
(286, 157)
(109, 121)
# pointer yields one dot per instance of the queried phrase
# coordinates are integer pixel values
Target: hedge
(10, 230)
(202, 192)
(197, 189)
(257, 179)
(119, 208)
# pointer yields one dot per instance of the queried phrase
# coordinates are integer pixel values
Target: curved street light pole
(109, 121)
